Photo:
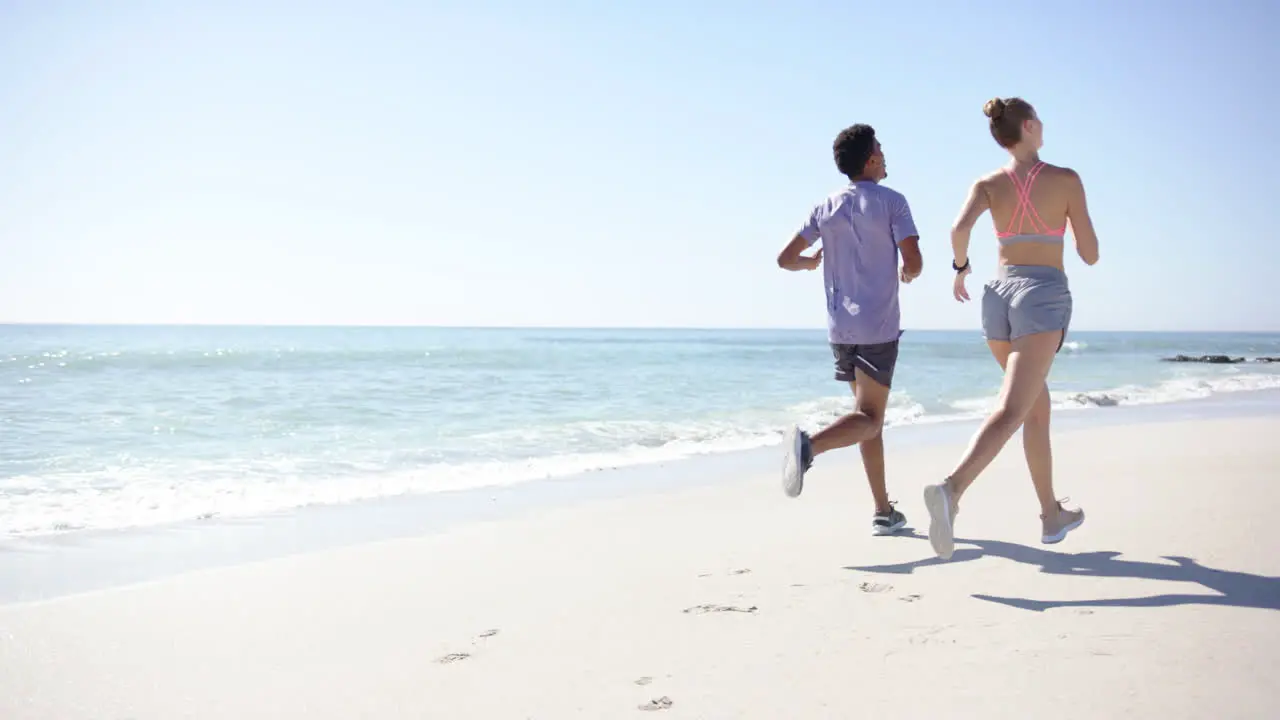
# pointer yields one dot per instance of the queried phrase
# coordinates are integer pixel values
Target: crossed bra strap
(1027, 211)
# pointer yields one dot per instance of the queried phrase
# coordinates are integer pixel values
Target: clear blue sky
(617, 164)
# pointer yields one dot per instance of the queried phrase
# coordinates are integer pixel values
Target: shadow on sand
(1234, 589)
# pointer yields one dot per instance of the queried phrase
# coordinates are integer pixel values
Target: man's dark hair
(853, 148)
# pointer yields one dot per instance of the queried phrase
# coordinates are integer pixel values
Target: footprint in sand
(871, 587)
(742, 571)
(644, 680)
(460, 656)
(661, 703)
(704, 609)
(909, 598)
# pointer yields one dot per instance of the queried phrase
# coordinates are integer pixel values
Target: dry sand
(729, 602)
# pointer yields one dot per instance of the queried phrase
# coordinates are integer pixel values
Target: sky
(621, 164)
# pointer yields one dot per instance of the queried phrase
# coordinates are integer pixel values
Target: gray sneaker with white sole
(1054, 529)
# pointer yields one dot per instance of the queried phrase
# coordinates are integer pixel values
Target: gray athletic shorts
(877, 361)
(1026, 299)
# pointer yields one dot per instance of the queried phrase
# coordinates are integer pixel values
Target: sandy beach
(729, 601)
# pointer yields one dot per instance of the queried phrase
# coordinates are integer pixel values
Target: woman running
(1025, 310)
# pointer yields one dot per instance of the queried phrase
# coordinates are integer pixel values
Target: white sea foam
(1186, 388)
(123, 497)
(157, 493)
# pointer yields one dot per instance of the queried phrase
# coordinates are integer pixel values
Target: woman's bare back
(1030, 206)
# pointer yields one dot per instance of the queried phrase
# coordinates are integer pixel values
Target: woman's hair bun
(994, 108)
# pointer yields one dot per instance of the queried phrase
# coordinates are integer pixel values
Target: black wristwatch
(961, 268)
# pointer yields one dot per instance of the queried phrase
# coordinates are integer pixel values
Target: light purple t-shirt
(860, 226)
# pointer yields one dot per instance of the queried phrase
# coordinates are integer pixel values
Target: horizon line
(596, 328)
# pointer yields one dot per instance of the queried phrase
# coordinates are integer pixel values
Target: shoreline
(202, 431)
(46, 567)
(726, 599)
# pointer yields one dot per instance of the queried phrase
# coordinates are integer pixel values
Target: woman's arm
(974, 205)
(1081, 223)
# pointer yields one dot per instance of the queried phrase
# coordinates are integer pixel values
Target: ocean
(125, 427)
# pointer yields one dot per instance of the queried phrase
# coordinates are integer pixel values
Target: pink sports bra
(1040, 231)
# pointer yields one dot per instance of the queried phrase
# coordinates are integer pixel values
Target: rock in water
(1212, 359)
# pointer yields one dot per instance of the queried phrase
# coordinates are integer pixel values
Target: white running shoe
(937, 500)
(796, 461)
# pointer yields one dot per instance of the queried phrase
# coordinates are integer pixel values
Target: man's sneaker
(796, 462)
(937, 500)
(889, 522)
(1056, 528)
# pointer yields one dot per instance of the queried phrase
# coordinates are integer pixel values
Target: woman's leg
(1039, 452)
(1035, 439)
(1027, 366)
(1026, 369)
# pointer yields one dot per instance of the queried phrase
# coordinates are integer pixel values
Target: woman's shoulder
(984, 182)
(1046, 169)
(1060, 171)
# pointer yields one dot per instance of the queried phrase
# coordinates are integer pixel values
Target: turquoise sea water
(110, 427)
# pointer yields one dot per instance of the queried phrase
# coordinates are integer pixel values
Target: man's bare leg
(864, 423)
(860, 426)
(873, 462)
(871, 399)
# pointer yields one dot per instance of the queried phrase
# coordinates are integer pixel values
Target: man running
(863, 226)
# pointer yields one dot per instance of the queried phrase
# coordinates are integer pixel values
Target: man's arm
(790, 257)
(1081, 223)
(912, 260)
(903, 227)
(974, 205)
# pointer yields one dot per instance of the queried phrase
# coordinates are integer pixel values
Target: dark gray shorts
(877, 361)
(1024, 300)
